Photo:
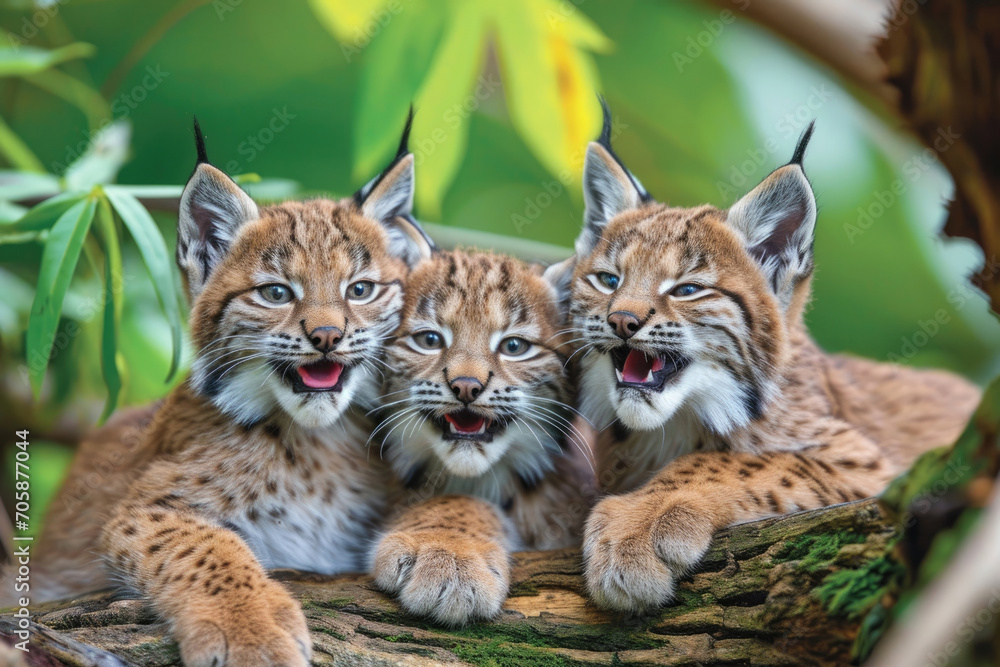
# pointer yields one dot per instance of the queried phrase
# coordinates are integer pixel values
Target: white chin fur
(253, 393)
(470, 459)
(709, 391)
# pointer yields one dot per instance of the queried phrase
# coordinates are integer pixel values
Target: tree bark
(756, 600)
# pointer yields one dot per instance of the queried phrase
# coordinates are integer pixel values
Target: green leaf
(10, 212)
(59, 260)
(18, 185)
(346, 19)
(19, 237)
(113, 289)
(442, 123)
(45, 214)
(105, 155)
(158, 262)
(26, 60)
(152, 191)
(394, 67)
(16, 151)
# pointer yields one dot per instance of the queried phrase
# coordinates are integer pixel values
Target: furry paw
(452, 579)
(268, 631)
(634, 553)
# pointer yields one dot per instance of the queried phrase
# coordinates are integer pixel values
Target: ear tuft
(800, 147)
(199, 143)
(388, 199)
(609, 189)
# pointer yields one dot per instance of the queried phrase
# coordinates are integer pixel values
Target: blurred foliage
(313, 92)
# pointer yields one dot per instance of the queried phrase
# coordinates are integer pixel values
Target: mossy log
(755, 600)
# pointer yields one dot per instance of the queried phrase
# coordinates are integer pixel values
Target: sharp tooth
(452, 426)
(649, 377)
(482, 429)
(619, 375)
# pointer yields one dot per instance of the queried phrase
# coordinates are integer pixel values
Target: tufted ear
(560, 277)
(212, 209)
(608, 188)
(388, 198)
(778, 221)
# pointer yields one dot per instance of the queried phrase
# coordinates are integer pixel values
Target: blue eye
(609, 280)
(514, 346)
(360, 290)
(686, 289)
(429, 340)
(274, 293)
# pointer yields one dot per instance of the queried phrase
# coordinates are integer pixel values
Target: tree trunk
(760, 598)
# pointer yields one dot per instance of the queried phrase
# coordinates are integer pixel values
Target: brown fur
(236, 472)
(766, 422)
(529, 486)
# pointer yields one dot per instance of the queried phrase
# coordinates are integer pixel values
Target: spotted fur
(257, 461)
(477, 420)
(715, 404)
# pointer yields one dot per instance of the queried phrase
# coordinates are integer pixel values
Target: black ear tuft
(404, 149)
(605, 138)
(404, 141)
(800, 148)
(199, 142)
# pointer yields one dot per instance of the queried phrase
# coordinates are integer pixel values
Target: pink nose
(466, 389)
(325, 339)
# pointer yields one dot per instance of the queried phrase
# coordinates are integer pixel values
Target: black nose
(466, 389)
(626, 324)
(325, 339)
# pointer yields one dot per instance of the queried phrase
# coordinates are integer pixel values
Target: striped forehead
(670, 239)
(321, 239)
(475, 290)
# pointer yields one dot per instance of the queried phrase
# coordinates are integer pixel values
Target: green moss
(851, 593)
(525, 589)
(816, 551)
(495, 653)
(583, 637)
(332, 633)
(402, 637)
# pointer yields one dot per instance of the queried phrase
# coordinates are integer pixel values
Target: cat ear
(608, 187)
(560, 277)
(778, 221)
(388, 198)
(212, 209)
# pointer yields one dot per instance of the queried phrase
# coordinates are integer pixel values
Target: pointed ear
(560, 277)
(212, 209)
(778, 221)
(388, 199)
(608, 188)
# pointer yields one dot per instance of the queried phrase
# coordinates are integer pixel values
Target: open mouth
(323, 375)
(467, 425)
(637, 369)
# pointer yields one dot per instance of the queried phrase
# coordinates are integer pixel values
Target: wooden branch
(753, 601)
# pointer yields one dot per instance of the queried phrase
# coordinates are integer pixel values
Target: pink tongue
(637, 366)
(321, 375)
(465, 422)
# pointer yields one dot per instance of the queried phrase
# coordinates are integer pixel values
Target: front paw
(634, 553)
(267, 629)
(451, 579)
